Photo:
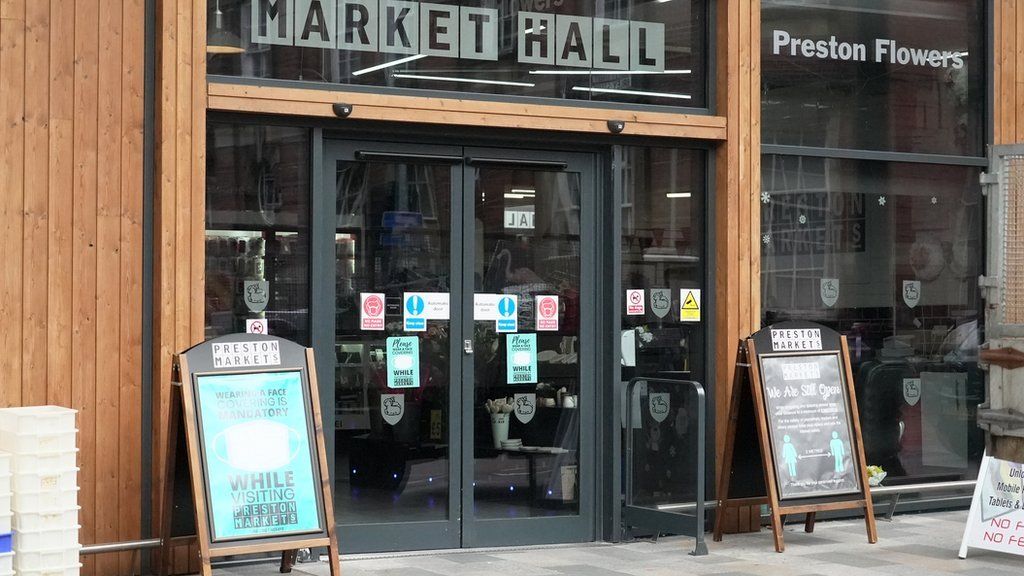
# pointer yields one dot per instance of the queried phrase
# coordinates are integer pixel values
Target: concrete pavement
(913, 544)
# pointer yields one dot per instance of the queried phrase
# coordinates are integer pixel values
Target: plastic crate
(5, 502)
(45, 559)
(54, 520)
(45, 540)
(5, 543)
(6, 563)
(44, 461)
(37, 482)
(44, 501)
(20, 443)
(72, 570)
(6, 487)
(37, 419)
(6, 461)
(6, 523)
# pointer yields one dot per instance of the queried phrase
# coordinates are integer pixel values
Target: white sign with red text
(636, 303)
(996, 519)
(371, 311)
(547, 313)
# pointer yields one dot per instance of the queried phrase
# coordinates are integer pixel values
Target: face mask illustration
(256, 446)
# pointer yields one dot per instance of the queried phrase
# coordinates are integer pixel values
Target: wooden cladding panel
(737, 209)
(179, 213)
(1008, 71)
(71, 175)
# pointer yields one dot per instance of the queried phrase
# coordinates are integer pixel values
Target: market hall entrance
(464, 344)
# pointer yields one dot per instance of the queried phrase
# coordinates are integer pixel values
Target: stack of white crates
(44, 479)
(6, 553)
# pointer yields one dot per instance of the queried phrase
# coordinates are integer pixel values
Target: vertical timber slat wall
(71, 219)
(737, 209)
(1008, 72)
(180, 178)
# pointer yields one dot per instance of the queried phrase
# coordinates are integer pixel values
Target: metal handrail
(700, 548)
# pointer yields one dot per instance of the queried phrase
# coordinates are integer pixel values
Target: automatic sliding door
(393, 213)
(528, 428)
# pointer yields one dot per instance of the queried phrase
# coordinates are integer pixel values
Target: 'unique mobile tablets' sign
(257, 454)
(996, 520)
(809, 424)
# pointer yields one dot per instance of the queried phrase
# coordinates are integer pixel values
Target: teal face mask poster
(522, 358)
(258, 456)
(403, 362)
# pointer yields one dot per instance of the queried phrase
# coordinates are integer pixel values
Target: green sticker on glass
(403, 362)
(522, 358)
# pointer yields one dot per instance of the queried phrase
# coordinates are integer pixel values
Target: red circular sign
(373, 306)
(548, 308)
(635, 297)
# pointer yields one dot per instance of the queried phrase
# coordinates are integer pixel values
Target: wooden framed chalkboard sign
(799, 380)
(254, 436)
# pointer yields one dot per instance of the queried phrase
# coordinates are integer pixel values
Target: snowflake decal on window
(935, 200)
(766, 238)
(765, 197)
(881, 200)
(803, 219)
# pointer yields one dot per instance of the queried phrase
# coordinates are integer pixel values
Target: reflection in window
(640, 52)
(257, 229)
(888, 254)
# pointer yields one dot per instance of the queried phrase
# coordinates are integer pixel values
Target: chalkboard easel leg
(288, 560)
(780, 545)
(869, 521)
(809, 522)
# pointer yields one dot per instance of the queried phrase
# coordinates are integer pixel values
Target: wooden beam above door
(308, 102)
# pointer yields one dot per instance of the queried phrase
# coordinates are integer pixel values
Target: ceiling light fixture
(388, 64)
(463, 80)
(631, 92)
(221, 41)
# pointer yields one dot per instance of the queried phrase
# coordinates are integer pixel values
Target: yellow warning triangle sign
(689, 311)
(690, 303)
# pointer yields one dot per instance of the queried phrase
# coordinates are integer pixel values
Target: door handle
(467, 346)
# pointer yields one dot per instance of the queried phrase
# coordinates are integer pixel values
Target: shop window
(663, 248)
(627, 51)
(892, 75)
(888, 254)
(257, 230)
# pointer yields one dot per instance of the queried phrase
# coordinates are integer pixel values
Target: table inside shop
(531, 457)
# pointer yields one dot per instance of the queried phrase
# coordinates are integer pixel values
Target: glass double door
(463, 344)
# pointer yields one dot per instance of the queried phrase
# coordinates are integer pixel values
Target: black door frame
(460, 529)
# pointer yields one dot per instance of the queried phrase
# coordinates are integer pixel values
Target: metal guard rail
(642, 516)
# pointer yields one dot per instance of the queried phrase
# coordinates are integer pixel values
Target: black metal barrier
(663, 521)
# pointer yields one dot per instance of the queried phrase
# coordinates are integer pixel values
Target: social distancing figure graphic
(838, 452)
(789, 455)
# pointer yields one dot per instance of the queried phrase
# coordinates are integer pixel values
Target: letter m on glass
(273, 21)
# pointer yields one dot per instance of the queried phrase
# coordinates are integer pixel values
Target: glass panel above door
(628, 51)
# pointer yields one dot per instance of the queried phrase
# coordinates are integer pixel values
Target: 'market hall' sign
(404, 27)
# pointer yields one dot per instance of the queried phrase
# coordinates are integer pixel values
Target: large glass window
(631, 51)
(663, 226)
(889, 254)
(895, 75)
(257, 229)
